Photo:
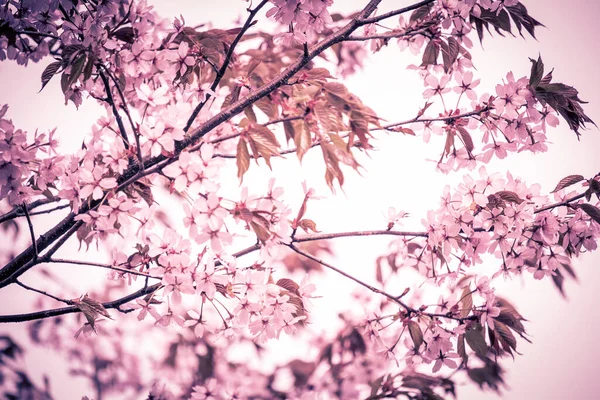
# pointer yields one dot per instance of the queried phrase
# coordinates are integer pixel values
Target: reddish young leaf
(308, 225)
(242, 158)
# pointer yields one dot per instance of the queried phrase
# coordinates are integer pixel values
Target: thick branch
(18, 211)
(131, 175)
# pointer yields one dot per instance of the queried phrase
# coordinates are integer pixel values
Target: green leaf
(467, 139)
(592, 211)
(76, 69)
(415, 333)
(126, 34)
(505, 336)
(430, 55)
(420, 13)
(568, 181)
(89, 68)
(476, 340)
(537, 71)
(49, 73)
(461, 348)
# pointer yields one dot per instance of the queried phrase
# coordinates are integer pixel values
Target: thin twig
(125, 108)
(226, 62)
(100, 265)
(27, 287)
(323, 236)
(395, 12)
(115, 110)
(395, 299)
(18, 211)
(31, 232)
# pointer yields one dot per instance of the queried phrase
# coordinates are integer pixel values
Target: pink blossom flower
(154, 97)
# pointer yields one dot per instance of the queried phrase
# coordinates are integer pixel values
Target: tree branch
(396, 299)
(323, 236)
(107, 266)
(111, 101)
(22, 262)
(73, 309)
(31, 232)
(339, 271)
(396, 12)
(136, 134)
(223, 69)
(26, 287)
(18, 211)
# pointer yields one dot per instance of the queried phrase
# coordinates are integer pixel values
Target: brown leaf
(263, 141)
(249, 112)
(406, 131)
(289, 285)
(507, 339)
(332, 166)
(308, 224)
(91, 309)
(422, 110)
(466, 302)
(461, 348)
(242, 158)
(290, 132)
(268, 107)
(303, 141)
(318, 74)
(262, 233)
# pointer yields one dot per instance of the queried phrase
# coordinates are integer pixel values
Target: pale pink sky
(561, 362)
